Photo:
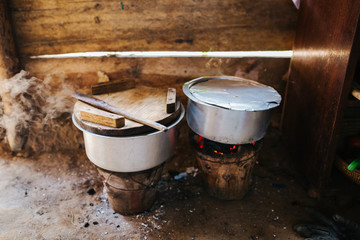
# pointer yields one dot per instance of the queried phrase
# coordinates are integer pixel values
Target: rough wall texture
(55, 26)
(50, 27)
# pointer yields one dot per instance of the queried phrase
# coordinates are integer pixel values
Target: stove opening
(216, 149)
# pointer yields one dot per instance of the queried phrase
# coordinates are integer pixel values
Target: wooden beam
(9, 65)
(326, 51)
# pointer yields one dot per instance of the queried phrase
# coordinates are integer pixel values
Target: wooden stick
(101, 117)
(107, 107)
(112, 86)
(171, 100)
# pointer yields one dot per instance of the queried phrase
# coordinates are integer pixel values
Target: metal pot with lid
(228, 109)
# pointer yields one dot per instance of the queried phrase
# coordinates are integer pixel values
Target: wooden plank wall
(67, 26)
(63, 26)
(59, 26)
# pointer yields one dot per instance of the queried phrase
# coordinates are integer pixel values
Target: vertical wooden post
(326, 50)
(9, 65)
(8, 59)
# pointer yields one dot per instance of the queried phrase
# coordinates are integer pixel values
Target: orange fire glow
(201, 142)
(218, 152)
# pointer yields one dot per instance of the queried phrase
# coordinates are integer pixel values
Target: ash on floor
(60, 196)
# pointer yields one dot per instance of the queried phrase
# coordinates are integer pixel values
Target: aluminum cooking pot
(132, 153)
(228, 109)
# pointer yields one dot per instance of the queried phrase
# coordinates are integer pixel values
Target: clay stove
(226, 169)
(130, 159)
(228, 117)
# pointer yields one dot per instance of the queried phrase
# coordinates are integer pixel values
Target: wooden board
(102, 117)
(112, 86)
(146, 102)
(52, 26)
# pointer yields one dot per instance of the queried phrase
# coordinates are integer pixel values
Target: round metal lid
(142, 101)
(232, 93)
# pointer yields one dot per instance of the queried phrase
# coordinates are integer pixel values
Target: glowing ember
(219, 148)
(200, 142)
(218, 152)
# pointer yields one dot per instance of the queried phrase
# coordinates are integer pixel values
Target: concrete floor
(60, 196)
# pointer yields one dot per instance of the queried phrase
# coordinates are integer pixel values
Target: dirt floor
(61, 196)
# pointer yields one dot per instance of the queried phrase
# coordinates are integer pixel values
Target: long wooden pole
(9, 65)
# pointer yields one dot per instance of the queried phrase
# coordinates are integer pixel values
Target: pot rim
(182, 114)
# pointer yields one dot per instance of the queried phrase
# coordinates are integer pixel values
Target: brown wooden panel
(325, 53)
(8, 58)
(61, 26)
